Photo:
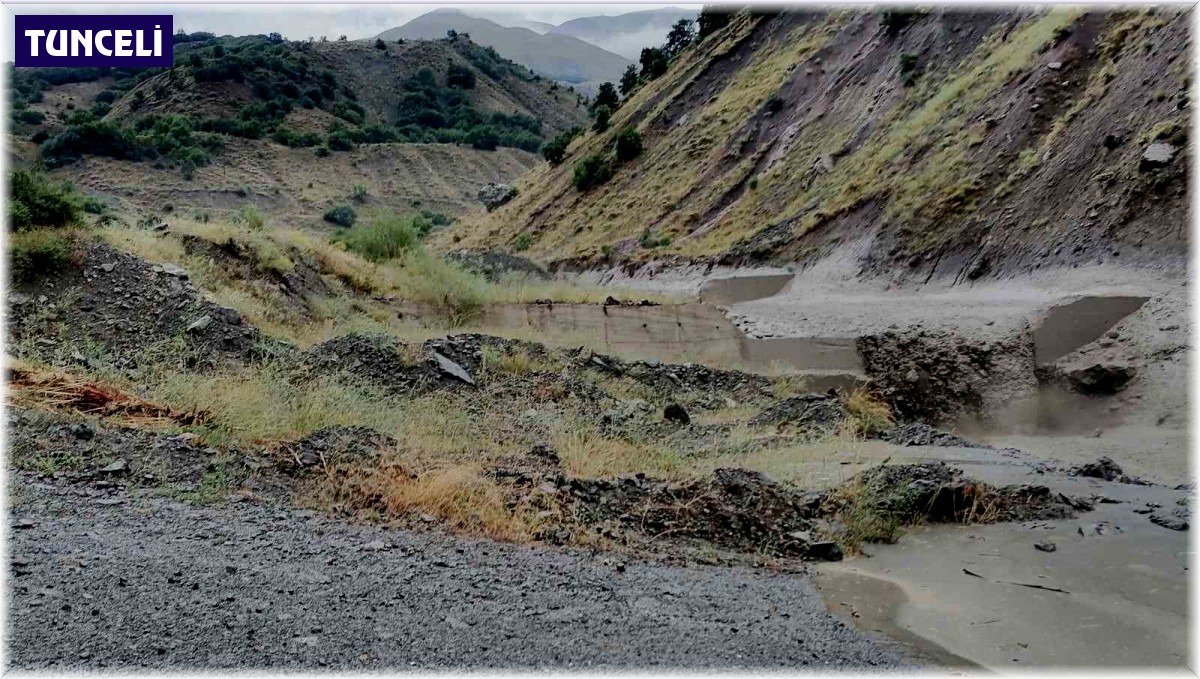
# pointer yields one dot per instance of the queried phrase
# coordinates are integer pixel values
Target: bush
(342, 215)
(629, 144)
(36, 203)
(253, 218)
(603, 113)
(29, 117)
(342, 140)
(460, 76)
(37, 253)
(321, 151)
(592, 171)
(359, 192)
(484, 137)
(380, 44)
(387, 236)
(522, 242)
(94, 206)
(775, 104)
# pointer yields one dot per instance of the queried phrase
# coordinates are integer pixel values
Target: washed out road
(128, 582)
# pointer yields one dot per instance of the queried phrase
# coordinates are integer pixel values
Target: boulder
(493, 195)
(675, 413)
(1101, 379)
(1157, 156)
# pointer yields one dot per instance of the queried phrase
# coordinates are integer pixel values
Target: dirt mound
(495, 265)
(812, 412)
(335, 445)
(734, 509)
(295, 286)
(919, 434)
(713, 384)
(374, 359)
(130, 308)
(910, 493)
(938, 377)
(1106, 469)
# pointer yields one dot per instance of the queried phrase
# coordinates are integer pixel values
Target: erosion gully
(1114, 589)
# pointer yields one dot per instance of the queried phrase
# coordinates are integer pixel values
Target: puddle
(725, 292)
(1066, 327)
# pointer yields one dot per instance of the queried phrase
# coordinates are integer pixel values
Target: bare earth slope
(952, 144)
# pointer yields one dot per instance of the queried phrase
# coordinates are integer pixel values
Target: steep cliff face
(940, 144)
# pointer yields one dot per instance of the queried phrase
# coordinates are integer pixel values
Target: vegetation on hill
(254, 86)
(951, 141)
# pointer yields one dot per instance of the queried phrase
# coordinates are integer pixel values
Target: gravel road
(149, 582)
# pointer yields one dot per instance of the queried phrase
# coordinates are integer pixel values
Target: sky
(300, 21)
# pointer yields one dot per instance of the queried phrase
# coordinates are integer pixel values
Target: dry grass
(868, 413)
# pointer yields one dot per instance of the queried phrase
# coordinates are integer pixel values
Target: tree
(460, 76)
(603, 113)
(380, 44)
(451, 35)
(629, 80)
(275, 38)
(629, 144)
(712, 18)
(682, 34)
(654, 62)
(606, 96)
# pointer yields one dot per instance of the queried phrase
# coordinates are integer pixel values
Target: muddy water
(1066, 327)
(734, 289)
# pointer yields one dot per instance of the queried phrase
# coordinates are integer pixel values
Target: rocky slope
(943, 144)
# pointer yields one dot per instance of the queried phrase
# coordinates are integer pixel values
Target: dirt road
(146, 582)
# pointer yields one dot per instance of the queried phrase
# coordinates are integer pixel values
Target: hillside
(943, 144)
(625, 34)
(558, 57)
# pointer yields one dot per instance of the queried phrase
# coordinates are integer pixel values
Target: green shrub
(253, 219)
(342, 215)
(775, 104)
(387, 236)
(37, 203)
(484, 138)
(37, 253)
(592, 171)
(522, 242)
(94, 206)
(600, 124)
(380, 44)
(908, 68)
(321, 151)
(359, 192)
(629, 144)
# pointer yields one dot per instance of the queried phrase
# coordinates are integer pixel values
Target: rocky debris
(200, 324)
(117, 467)
(935, 377)
(23, 524)
(496, 265)
(734, 509)
(613, 301)
(1176, 519)
(118, 301)
(375, 359)
(809, 412)
(330, 446)
(1156, 156)
(920, 434)
(935, 491)
(452, 369)
(675, 413)
(1106, 469)
(1045, 546)
(493, 195)
(1101, 380)
(170, 270)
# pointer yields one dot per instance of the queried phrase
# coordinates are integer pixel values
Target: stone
(108, 267)
(22, 524)
(1055, 65)
(824, 550)
(174, 270)
(161, 226)
(1157, 156)
(1169, 521)
(675, 413)
(1045, 546)
(17, 299)
(85, 431)
(228, 315)
(200, 324)
(375, 546)
(611, 301)
(453, 369)
(1101, 379)
(117, 467)
(1103, 468)
(493, 195)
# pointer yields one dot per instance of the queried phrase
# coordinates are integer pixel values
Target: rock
(200, 324)
(493, 195)
(1169, 521)
(1101, 379)
(108, 267)
(85, 431)
(375, 546)
(675, 413)
(1157, 156)
(228, 315)
(161, 226)
(17, 299)
(824, 550)
(1112, 141)
(544, 452)
(1055, 65)
(453, 369)
(1045, 546)
(1103, 468)
(806, 411)
(921, 434)
(118, 467)
(22, 524)
(611, 301)
(174, 270)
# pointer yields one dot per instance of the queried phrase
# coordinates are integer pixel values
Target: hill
(558, 57)
(625, 34)
(948, 144)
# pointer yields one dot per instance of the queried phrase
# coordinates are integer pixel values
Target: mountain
(626, 34)
(558, 57)
(919, 144)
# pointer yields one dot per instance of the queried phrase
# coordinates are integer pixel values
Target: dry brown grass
(869, 414)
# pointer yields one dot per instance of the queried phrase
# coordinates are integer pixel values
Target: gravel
(156, 583)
